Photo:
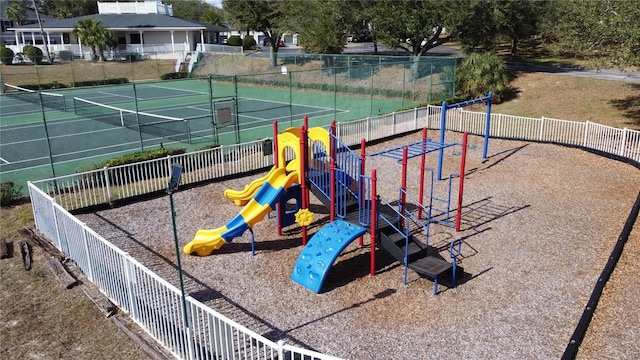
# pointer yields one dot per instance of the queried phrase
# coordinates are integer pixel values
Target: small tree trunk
(273, 55)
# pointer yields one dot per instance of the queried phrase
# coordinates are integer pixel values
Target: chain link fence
(414, 79)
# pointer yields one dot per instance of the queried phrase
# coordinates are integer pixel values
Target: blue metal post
(443, 122)
(487, 126)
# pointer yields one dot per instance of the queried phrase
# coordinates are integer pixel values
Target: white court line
(307, 114)
(5, 161)
(112, 94)
(110, 154)
(284, 103)
(179, 90)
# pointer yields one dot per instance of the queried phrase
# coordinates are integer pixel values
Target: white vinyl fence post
(168, 166)
(105, 174)
(393, 116)
(280, 349)
(85, 242)
(623, 142)
(55, 221)
(586, 134)
(129, 278)
(541, 134)
(222, 162)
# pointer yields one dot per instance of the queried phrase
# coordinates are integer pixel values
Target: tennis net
(168, 127)
(46, 99)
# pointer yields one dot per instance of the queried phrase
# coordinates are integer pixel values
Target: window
(136, 39)
(6, 24)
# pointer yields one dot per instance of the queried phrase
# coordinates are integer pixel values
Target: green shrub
(9, 193)
(174, 75)
(101, 82)
(248, 42)
(234, 40)
(44, 86)
(33, 53)
(480, 73)
(142, 156)
(6, 55)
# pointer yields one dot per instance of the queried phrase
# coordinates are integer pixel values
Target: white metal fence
(155, 304)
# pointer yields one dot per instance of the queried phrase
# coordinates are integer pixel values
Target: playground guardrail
(126, 282)
(152, 302)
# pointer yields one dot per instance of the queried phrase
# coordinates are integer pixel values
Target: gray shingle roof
(128, 22)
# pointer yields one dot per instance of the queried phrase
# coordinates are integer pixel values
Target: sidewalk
(605, 74)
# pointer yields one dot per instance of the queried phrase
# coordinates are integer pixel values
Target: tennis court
(59, 132)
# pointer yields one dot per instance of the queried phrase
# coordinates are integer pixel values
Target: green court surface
(38, 142)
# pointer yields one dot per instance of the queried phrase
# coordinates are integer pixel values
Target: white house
(142, 27)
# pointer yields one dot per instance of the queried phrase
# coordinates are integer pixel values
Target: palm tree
(480, 73)
(92, 33)
(211, 16)
(44, 41)
(17, 11)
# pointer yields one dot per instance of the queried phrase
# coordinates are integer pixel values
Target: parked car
(361, 38)
(265, 42)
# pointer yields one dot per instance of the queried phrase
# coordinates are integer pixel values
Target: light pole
(176, 174)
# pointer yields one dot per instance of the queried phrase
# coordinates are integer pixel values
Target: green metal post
(290, 101)
(46, 132)
(235, 85)
(213, 121)
(335, 94)
(371, 93)
(135, 98)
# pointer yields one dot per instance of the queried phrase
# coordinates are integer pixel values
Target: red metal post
(461, 190)
(305, 194)
(302, 179)
(332, 172)
(422, 164)
(275, 143)
(363, 154)
(374, 222)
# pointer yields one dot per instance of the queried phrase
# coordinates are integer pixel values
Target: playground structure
(314, 160)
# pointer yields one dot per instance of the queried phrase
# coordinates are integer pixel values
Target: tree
(321, 25)
(487, 21)
(64, 9)
(17, 11)
(518, 20)
(608, 32)
(417, 25)
(423, 25)
(44, 41)
(93, 34)
(189, 9)
(212, 16)
(260, 15)
(480, 73)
